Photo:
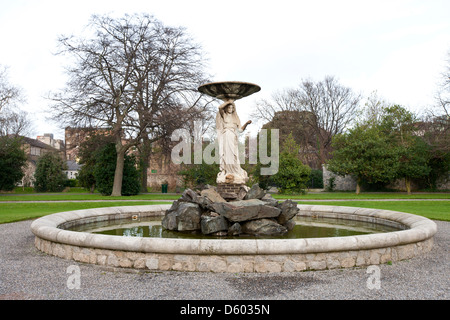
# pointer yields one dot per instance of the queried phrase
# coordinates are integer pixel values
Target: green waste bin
(164, 188)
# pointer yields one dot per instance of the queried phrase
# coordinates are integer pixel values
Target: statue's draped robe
(228, 126)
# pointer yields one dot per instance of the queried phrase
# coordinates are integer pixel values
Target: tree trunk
(145, 159)
(358, 185)
(118, 174)
(144, 168)
(319, 153)
(408, 185)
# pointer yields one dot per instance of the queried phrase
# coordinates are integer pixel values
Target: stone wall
(340, 183)
(443, 183)
(233, 263)
(161, 171)
(348, 182)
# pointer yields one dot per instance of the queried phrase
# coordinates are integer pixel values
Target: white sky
(398, 48)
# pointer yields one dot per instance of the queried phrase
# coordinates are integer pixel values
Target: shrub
(199, 174)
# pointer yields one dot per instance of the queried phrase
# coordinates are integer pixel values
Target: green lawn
(364, 196)
(438, 210)
(161, 196)
(11, 212)
(86, 196)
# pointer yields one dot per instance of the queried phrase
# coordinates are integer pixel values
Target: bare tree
(334, 107)
(132, 76)
(284, 100)
(435, 124)
(443, 94)
(331, 107)
(9, 94)
(168, 98)
(373, 110)
(13, 120)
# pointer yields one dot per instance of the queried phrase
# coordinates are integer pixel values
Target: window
(35, 151)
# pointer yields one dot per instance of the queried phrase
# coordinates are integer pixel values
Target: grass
(12, 212)
(437, 210)
(161, 196)
(85, 196)
(364, 196)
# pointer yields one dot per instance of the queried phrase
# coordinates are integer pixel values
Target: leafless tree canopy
(13, 120)
(435, 125)
(443, 94)
(9, 94)
(373, 110)
(134, 76)
(332, 108)
(130, 66)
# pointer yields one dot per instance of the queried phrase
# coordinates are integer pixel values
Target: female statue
(228, 127)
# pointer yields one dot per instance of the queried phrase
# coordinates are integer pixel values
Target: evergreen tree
(366, 153)
(88, 153)
(12, 160)
(292, 175)
(49, 174)
(104, 172)
(399, 125)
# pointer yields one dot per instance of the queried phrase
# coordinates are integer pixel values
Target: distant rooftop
(72, 165)
(36, 143)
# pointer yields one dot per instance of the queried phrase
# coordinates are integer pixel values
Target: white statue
(228, 127)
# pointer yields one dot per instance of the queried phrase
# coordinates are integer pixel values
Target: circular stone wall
(231, 255)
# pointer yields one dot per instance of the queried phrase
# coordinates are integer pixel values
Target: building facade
(34, 149)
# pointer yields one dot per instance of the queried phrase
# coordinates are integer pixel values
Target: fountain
(413, 237)
(232, 209)
(231, 178)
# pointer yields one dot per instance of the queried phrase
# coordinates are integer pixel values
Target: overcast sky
(397, 48)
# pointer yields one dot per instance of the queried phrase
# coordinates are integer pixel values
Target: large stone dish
(229, 90)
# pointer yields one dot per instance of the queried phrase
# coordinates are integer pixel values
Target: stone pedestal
(229, 190)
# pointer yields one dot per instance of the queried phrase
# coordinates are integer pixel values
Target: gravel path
(26, 273)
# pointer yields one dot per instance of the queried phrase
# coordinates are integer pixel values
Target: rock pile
(253, 212)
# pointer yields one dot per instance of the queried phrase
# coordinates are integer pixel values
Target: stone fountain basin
(234, 255)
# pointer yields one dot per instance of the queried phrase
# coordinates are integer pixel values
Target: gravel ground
(27, 274)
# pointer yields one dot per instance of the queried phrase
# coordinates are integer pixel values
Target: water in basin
(306, 227)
